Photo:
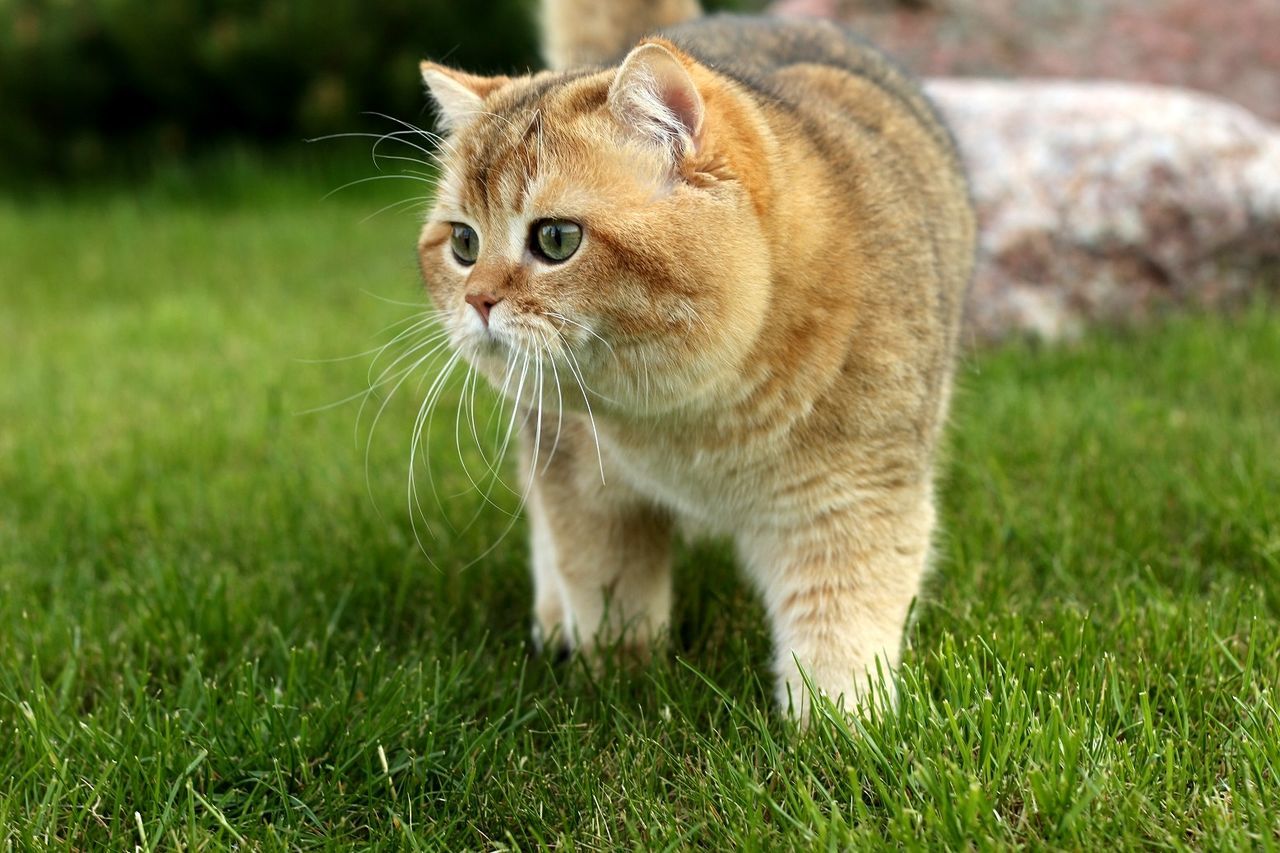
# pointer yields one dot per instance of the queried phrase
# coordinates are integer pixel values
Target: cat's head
(609, 224)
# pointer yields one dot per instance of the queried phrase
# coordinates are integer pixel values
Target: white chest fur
(720, 489)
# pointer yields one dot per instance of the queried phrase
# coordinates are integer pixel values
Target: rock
(805, 9)
(1099, 202)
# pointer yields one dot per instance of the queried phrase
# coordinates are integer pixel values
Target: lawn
(221, 625)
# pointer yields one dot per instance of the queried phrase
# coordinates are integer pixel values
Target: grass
(216, 631)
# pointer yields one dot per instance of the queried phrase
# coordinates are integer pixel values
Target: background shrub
(96, 85)
(85, 84)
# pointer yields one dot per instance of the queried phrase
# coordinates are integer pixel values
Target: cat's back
(773, 57)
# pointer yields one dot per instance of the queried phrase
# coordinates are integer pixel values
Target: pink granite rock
(1102, 201)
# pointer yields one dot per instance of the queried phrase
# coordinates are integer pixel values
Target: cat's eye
(555, 239)
(465, 243)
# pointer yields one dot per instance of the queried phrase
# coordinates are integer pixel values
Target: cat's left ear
(459, 96)
(654, 96)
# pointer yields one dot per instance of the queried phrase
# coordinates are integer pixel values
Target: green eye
(556, 239)
(466, 244)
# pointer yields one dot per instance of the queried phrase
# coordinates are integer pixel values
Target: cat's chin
(487, 352)
(494, 354)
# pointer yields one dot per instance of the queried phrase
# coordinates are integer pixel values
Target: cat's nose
(483, 303)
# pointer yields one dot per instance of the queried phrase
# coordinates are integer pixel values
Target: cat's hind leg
(838, 593)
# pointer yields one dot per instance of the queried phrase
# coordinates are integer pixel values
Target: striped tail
(595, 32)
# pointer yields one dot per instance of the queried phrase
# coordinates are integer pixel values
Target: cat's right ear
(654, 97)
(459, 96)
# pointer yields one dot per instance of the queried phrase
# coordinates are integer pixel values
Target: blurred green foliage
(94, 85)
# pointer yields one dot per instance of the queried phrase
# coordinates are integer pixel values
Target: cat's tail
(593, 32)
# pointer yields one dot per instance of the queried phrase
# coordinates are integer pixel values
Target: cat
(741, 251)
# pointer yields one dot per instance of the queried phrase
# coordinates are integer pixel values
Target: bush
(87, 84)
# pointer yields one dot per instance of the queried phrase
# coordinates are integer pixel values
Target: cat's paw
(550, 640)
(802, 692)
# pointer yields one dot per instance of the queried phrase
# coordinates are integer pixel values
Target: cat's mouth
(501, 338)
(487, 346)
(538, 335)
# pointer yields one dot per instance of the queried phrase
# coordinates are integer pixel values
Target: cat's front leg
(552, 630)
(601, 552)
(838, 593)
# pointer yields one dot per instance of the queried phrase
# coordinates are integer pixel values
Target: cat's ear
(654, 96)
(459, 96)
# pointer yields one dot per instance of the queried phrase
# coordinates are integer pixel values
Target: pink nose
(483, 303)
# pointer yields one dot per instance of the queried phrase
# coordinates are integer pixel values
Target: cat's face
(593, 226)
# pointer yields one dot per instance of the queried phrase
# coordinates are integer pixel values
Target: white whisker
(434, 312)
(349, 184)
(405, 374)
(515, 407)
(581, 326)
(496, 465)
(412, 128)
(371, 385)
(555, 372)
(378, 158)
(404, 202)
(436, 338)
(423, 422)
(469, 384)
(582, 386)
(524, 494)
(428, 404)
(378, 136)
(537, 425)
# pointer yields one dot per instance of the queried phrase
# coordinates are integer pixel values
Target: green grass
(216, 632)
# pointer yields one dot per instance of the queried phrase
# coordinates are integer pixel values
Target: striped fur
(760, 323)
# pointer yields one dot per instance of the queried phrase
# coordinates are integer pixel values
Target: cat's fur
(763, 313)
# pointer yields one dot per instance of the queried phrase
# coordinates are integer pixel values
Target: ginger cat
(742, 254)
